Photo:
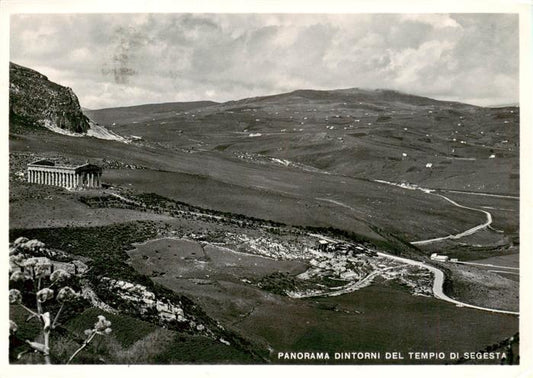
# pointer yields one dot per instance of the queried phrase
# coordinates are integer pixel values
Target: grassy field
(482, 287)
(190, 260)
(377, 318)
(213, 180)
(39, 206)
(507, 260)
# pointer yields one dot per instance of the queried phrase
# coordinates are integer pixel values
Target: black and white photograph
(264, 187)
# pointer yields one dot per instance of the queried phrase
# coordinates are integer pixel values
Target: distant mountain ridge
(33, 99)
(375, 96)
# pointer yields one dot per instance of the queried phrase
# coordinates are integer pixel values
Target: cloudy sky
(127, 59)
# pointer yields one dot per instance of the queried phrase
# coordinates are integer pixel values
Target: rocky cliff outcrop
(35, 100)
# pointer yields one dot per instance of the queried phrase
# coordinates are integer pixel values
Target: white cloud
(113, 60)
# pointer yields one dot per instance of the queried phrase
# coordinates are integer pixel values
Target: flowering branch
(101, 327)
(39, 271)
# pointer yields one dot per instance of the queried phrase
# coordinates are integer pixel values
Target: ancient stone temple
(46, 172)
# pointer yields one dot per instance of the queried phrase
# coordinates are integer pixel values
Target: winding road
(439, 282)
(431, 192)
(470, 231)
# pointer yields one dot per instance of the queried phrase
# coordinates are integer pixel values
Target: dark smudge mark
(126, 40)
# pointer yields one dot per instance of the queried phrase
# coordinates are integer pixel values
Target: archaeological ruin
(46, 172)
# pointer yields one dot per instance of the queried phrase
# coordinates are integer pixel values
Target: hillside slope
(375, 134)
(36, 100)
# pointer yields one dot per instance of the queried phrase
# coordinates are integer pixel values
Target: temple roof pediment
(88, 168)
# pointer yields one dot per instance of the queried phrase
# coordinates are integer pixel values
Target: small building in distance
(437, 257)
(46, 172)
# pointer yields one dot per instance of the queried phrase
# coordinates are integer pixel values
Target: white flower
(42, 268)
(59, 275)
(102, 323)
(17, 276)
(12, 327)
(14, 296)
(20, 240)
(31, 262)
(17, 259)
(45, 294)
(65, 294)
